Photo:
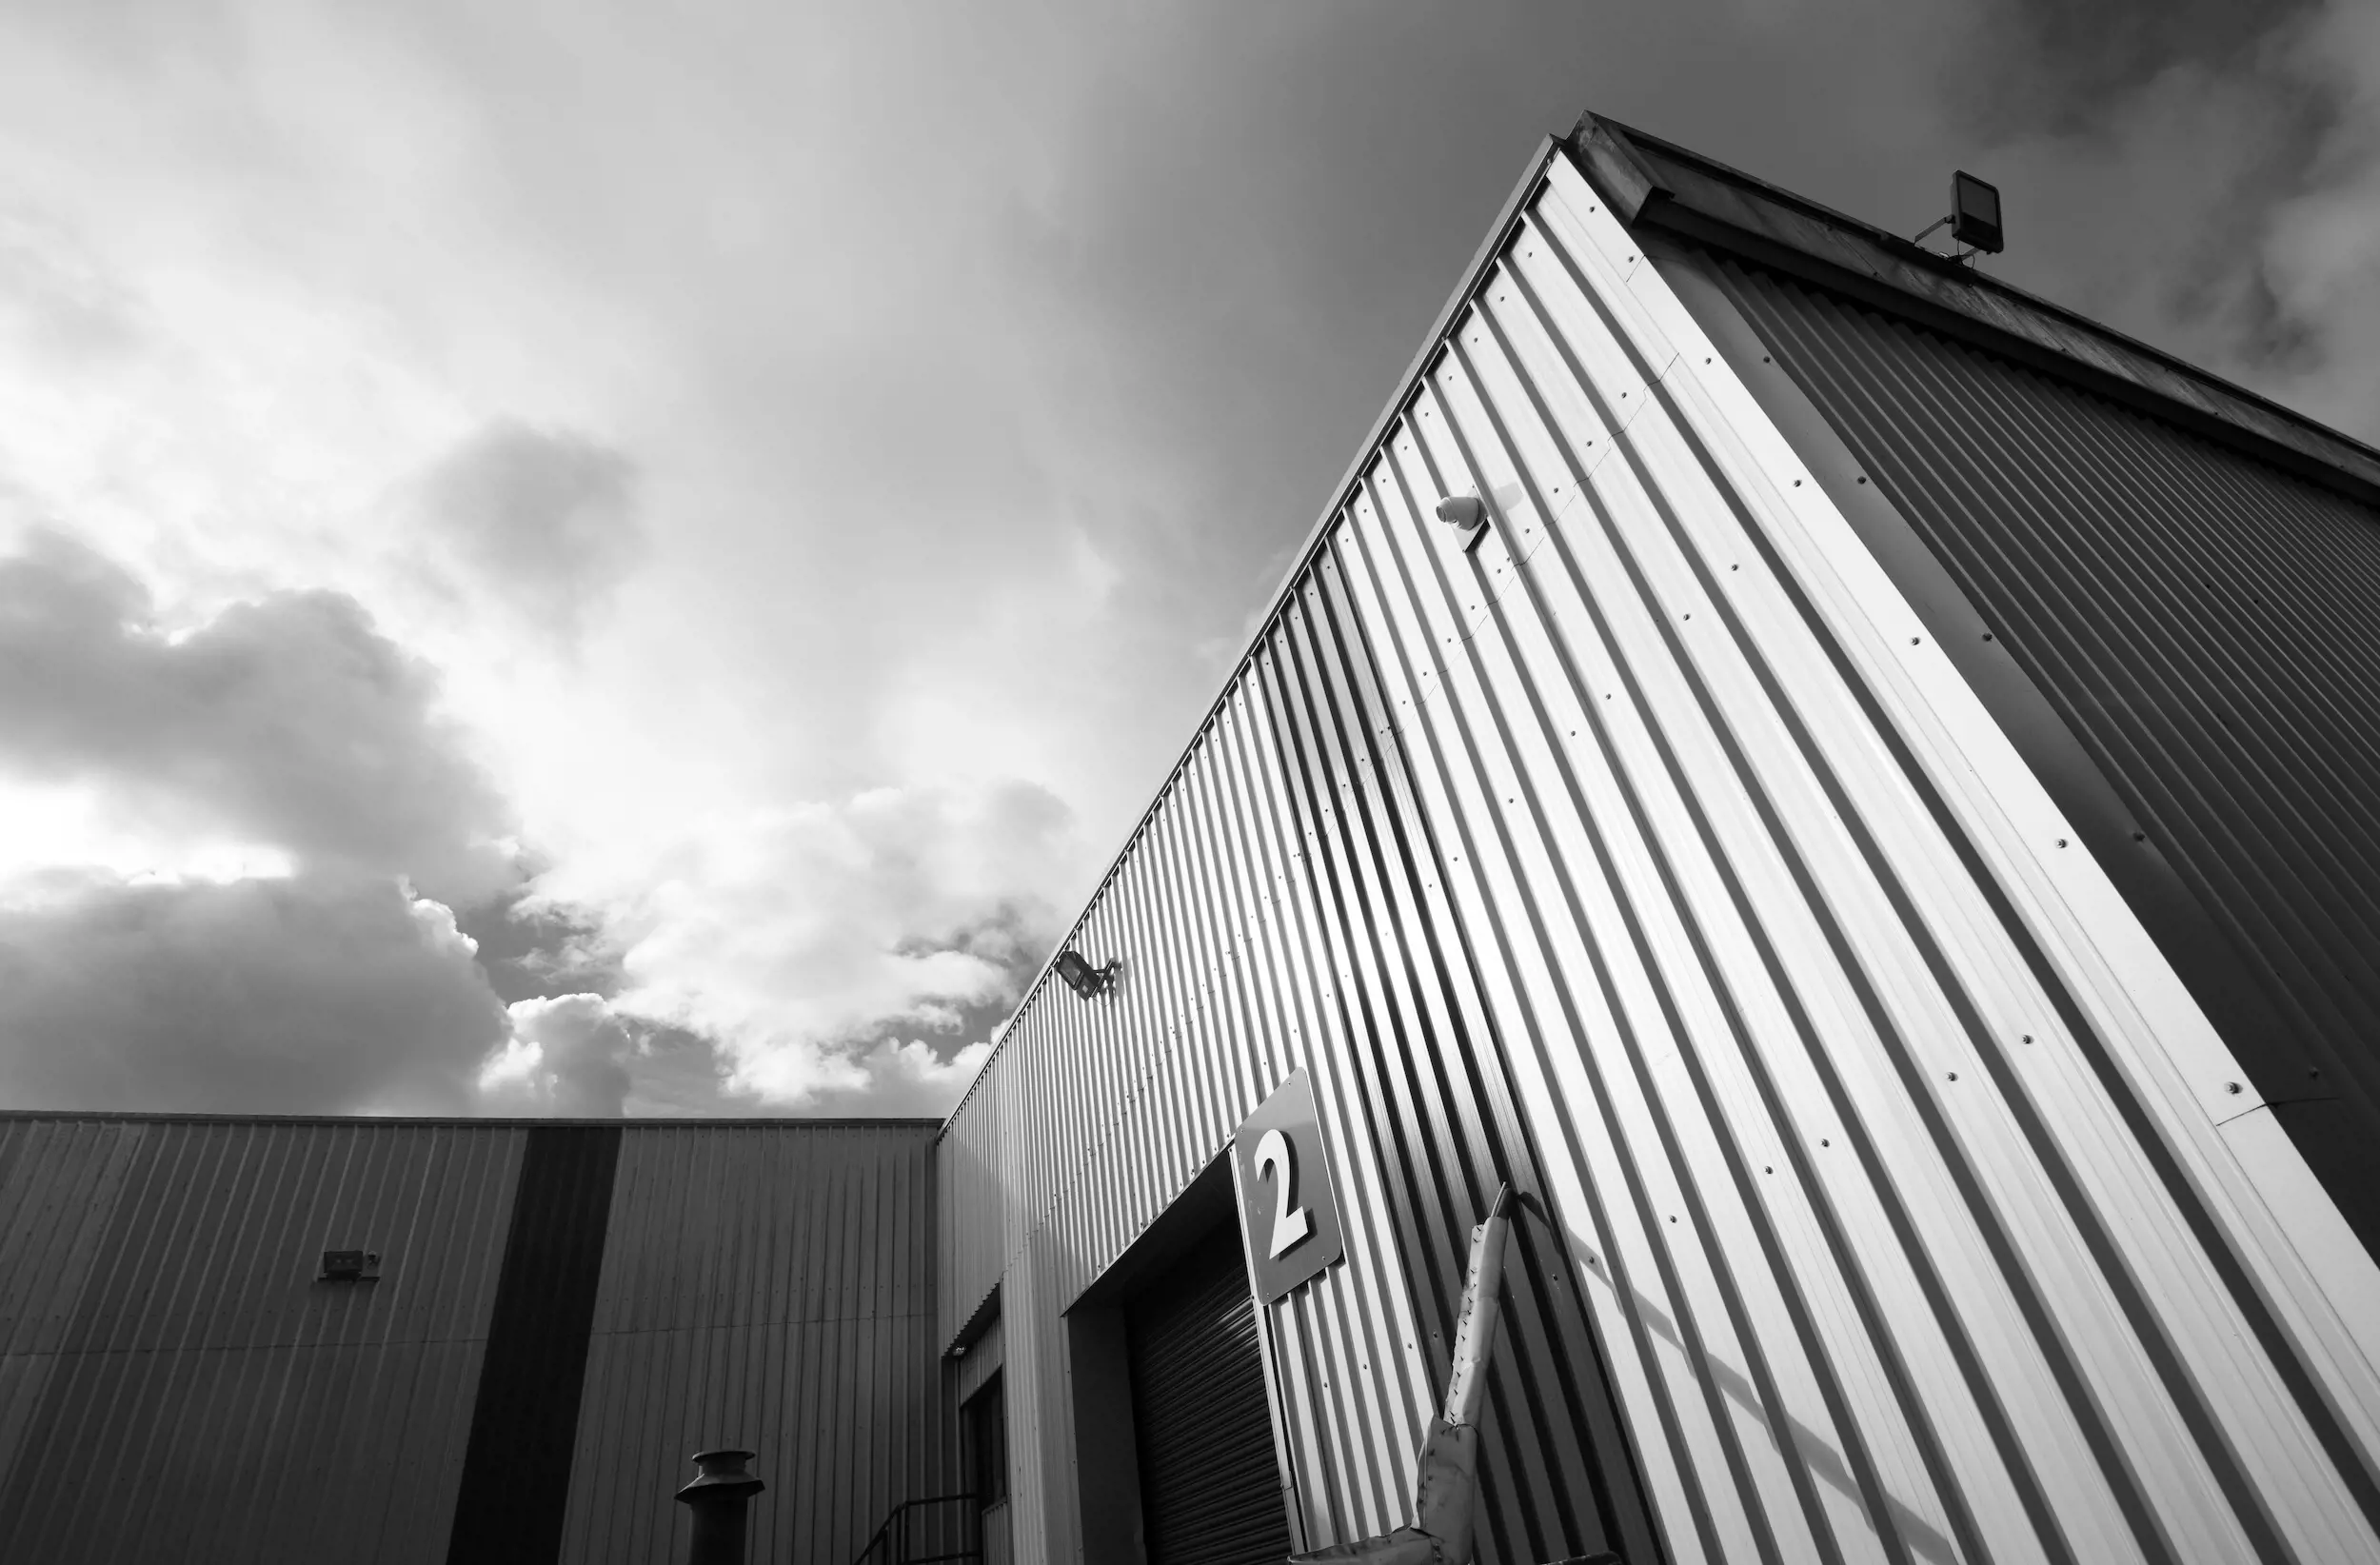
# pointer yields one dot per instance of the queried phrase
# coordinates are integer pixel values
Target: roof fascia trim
(1634, 189)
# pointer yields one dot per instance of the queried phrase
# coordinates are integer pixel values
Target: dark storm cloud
(287, 721)
(2043, 66)
(532, 951)
(544, 519)
(316, 995)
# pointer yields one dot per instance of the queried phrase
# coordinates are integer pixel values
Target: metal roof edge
(1653, 182)
(1407, 384)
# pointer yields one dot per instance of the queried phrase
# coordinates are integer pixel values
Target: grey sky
(817, 463)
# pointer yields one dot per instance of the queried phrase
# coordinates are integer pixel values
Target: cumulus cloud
(804, 941)
(287, 721)
(567, 1055)
(313, 995)
(897, 1079)
(544, 520)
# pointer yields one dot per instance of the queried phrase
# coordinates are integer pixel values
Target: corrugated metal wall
(174, 1384)
(1882, 1143)
(2207, 627)
(769, 1286)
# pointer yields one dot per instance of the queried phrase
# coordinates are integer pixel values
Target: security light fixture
(1083, 978)
(1975, 213)
(1465, 511)
(1974, 219)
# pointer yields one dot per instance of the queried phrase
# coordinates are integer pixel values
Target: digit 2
(1290, 1225)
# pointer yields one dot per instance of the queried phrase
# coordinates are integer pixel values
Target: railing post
(721, 1491)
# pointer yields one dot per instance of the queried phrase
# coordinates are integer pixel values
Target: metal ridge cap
(1547, 147)
(1902, 250)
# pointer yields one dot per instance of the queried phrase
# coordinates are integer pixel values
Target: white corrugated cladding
(1886, 1143)
(1777, 913)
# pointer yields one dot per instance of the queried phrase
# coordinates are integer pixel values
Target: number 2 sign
(1288, 1211)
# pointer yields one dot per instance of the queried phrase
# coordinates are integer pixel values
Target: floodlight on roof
(1975, 213)
(1974, 216)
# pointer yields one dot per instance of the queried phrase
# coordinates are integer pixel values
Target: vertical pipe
(721, 1491)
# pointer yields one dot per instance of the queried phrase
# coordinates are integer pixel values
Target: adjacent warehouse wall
(174, 1384)
(1653, 851)
(769, 1286)
(564, 1313)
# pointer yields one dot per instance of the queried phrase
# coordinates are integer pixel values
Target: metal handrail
(972, 1526)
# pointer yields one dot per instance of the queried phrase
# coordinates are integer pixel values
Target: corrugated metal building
(1873, 836)
(1876, 835)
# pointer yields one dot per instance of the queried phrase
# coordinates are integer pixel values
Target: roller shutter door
(1210, 1490)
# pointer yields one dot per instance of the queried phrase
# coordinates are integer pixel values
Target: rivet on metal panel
(2029, 1037)
(1986, 634)
(1863, 480)
(2140, 837)
(2061, 841)
(2230, 1086)
(1913, 640)
(1823, 1141)
(1953, 1076)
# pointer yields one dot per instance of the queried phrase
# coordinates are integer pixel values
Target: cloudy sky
(572, 559)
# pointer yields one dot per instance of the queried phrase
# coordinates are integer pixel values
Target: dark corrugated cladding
(516, 1474)
(2207, 627)
(769, 1286)
(176, 1384)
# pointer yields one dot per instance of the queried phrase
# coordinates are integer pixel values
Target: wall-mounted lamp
(1465, 511)
(1083, 978)
(1468, 515)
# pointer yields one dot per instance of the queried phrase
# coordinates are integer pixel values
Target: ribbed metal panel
(178, 1386)
(2207, 627)
(767, 1287)
(1651, 850)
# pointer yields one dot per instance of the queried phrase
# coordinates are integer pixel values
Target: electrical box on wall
(350, 1266)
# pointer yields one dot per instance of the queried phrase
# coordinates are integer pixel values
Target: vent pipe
(721, 1488)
